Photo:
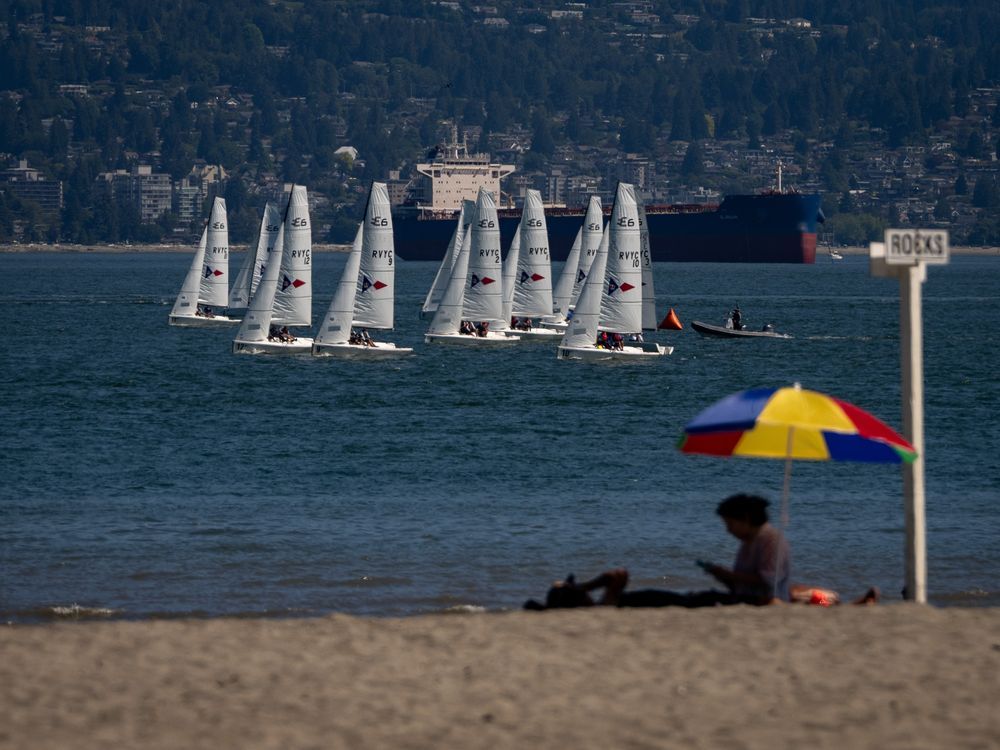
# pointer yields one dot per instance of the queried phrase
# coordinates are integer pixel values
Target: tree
(693, 164)
(984, 194)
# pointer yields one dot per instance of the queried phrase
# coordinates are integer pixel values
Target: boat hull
(381, 350)
(463, 339)
(299, 346)
(197, 321)
(537, 334)
(721, 332)
(628, 354)
(770, 228)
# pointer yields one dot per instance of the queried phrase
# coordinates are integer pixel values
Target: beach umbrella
(793, 423)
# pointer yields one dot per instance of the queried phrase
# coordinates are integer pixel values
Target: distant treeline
(382, 74)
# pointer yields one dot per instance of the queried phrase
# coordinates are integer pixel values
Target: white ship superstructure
(456, 175)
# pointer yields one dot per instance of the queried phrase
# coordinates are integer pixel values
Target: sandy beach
(890, 676)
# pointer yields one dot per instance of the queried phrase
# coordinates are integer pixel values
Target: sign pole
(905, 255)
(912, 360)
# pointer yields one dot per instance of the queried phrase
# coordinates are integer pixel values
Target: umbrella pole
(788, 480)
(783, 521)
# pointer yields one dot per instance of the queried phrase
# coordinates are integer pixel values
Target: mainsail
(373, 307)
(621, 304)
(593, 230)
(533, 279)
(215, 273)
(484, 290)
(293, 299)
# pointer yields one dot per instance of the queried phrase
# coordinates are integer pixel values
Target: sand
(890, 676)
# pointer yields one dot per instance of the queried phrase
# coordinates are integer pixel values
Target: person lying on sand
(760, 573)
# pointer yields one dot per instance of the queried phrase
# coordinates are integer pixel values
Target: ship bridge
(457, 175)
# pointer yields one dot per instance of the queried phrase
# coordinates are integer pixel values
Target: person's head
(743, 514)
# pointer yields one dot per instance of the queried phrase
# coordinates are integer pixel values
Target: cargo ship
(777, 226)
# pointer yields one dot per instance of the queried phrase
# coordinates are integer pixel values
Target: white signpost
(905, 255)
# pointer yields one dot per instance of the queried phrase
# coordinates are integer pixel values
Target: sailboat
(531, 283)
(473, 293)
(365, 295)
(611, 299)
(578, 263)
(436, 292)
(205, 287)
(253, 265)
(268, 309)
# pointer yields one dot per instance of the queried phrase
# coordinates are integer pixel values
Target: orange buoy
(670, 322)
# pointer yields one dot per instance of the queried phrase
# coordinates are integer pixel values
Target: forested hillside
(270, 90)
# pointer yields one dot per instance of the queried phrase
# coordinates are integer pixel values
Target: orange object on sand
(670, 322)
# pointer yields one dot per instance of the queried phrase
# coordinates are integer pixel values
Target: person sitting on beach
(760, 573)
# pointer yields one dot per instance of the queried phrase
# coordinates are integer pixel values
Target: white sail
(621, 305)
(448, 316)
(373, 306)
(649, 320)
(484, 291)
(443, 274)
(215, 276)
(253, 265)
(582, 331)
(593, 231)
(335, 327)
(293, 300)
(562, 295)
(533, 283)
(187, 300)
(510, 274)
(257, 321)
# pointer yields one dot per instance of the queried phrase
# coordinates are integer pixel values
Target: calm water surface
(147, 471)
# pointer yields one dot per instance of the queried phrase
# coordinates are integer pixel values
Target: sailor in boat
(467, 329)
(483, 329)
(366, 339)
(204, 311)
(285, 335)
(617, 342)
(736, 319)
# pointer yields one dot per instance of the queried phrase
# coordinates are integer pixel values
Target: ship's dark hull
(770, 228)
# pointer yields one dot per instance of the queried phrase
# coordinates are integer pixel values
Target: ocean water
(148, 472)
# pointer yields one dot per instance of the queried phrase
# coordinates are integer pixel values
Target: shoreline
(898, 675)
(335, 248)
